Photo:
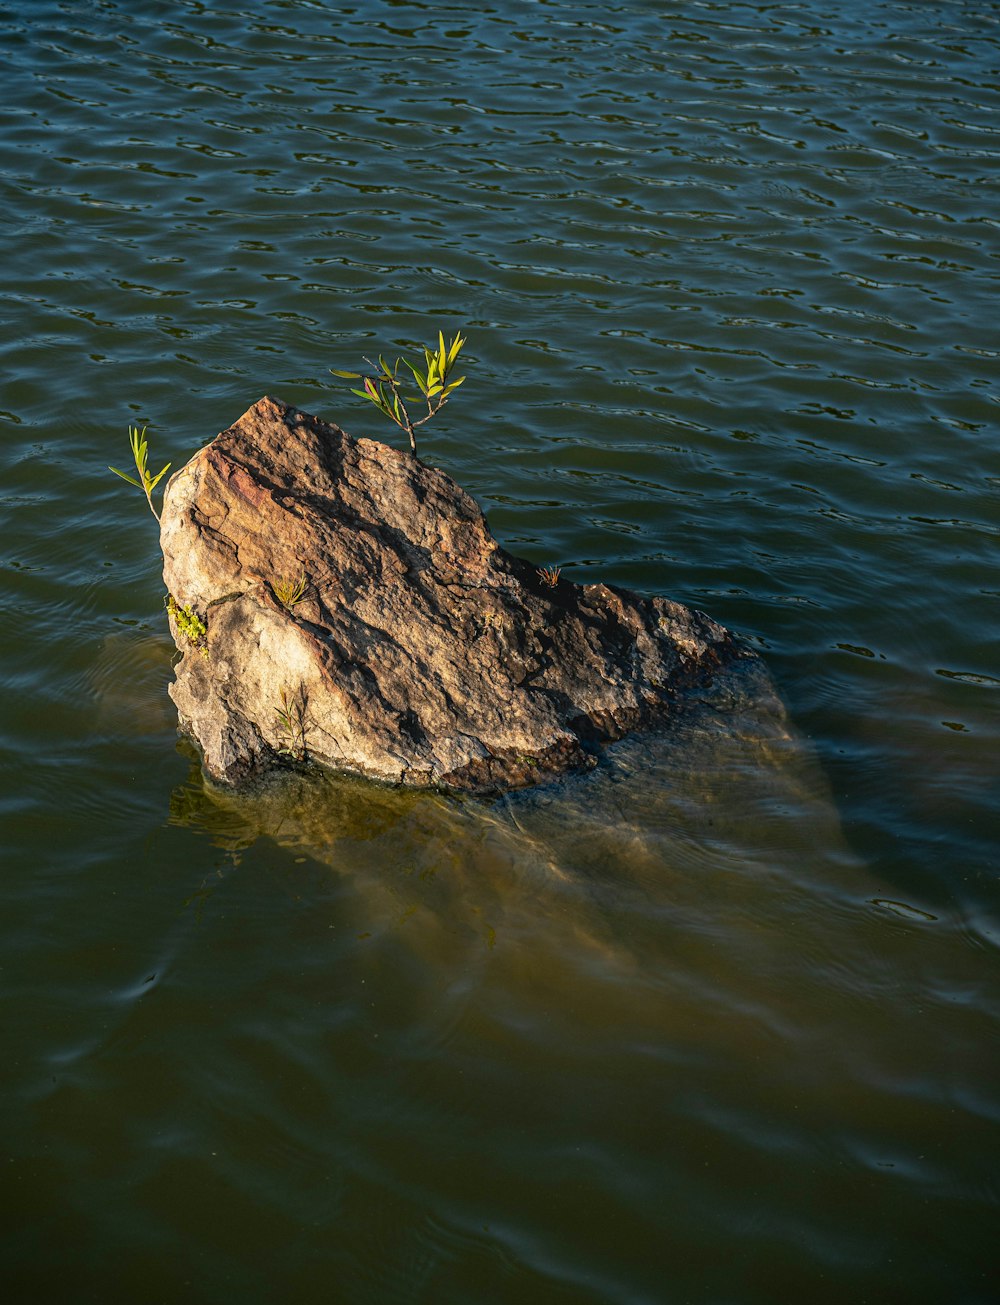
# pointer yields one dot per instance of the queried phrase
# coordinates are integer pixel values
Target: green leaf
(418, 376)
(348, 376)
(456, 346)
(377, 396)
(453, 385)
(159, 476)
(131, 479)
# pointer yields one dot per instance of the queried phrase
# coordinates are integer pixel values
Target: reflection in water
(727, 787)
(627, 989)
(127, 683)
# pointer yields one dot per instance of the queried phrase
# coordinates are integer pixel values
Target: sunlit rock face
(359, 614)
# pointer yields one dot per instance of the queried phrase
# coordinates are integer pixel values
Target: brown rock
(419, 652)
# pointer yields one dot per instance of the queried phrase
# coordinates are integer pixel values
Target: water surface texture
(717, 1022)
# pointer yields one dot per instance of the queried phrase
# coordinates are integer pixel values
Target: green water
(717, 1022)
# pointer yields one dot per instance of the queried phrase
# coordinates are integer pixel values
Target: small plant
(550, 575)
(189, 623)
(140, 453)
(292, 726)
(289, 592)
(384, 387)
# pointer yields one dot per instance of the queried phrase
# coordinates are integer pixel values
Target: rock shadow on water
(726, 798)
(127, 684)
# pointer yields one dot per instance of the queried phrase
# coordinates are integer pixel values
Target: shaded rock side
(419, 651)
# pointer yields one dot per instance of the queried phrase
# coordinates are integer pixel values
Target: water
(715, 1023)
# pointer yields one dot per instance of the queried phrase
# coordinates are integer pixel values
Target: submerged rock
(358, 613)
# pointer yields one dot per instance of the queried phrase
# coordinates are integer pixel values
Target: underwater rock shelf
(337, 600)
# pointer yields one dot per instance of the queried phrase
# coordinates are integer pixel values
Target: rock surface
(419, 651)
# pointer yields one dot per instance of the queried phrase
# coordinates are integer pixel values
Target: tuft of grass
(289, 592)
(291, 716)
(550, 575)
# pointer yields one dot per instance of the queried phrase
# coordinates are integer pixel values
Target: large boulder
(358, 613)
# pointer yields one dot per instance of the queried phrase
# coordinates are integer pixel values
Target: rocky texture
(420, 652)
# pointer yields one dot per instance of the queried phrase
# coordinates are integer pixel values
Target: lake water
(717, 1022)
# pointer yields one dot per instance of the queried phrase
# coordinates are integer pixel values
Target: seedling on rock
(384, 385)
(140, 453)
(292, 725)
(189, 623)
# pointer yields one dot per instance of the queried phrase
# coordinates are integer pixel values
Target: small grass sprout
(549, 575)
(140, 454)
(189, 623)
(289, 592)
(291, 725)
(434, 382)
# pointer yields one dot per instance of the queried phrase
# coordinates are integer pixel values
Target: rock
(419, 651)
